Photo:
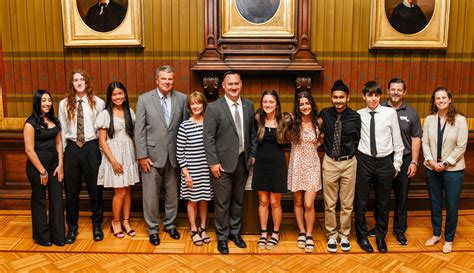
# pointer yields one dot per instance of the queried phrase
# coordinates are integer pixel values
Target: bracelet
(414, 162)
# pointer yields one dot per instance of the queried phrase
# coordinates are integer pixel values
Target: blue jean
(449, 183)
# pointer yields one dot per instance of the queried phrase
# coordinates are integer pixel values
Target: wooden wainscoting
(15, 189)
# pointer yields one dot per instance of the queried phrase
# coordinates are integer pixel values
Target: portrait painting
(93, 23)
(258, 18)
(409, 24)
(257, 11)
(102, 15)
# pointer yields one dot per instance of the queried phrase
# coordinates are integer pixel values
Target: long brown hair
(71, 93)
(297, 119)
(452, 112)
(261, 115)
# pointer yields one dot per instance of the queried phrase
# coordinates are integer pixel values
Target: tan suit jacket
(454, 142)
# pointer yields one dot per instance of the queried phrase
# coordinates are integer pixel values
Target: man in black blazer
(229, 136)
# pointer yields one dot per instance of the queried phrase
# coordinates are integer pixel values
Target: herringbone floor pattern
(19, 253)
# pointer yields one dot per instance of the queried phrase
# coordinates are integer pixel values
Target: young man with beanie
(341, 128)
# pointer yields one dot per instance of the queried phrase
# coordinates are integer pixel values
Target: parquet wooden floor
(19, 253)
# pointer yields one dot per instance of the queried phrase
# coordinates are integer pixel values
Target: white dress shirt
(69, 127)
(241, 112)
(387, 134)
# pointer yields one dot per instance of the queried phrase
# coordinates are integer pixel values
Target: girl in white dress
(119, 169)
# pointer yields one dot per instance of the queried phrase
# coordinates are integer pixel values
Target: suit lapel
(226, 109)
(245, 110)
(157, 103)
(174, 104)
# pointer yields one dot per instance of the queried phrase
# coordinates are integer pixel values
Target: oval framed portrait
(257, 11)
(409, 16)
(102, 15)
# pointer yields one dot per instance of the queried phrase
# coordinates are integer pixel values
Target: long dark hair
(260, 117)
(452, 112)
(109, 106)
(296, 129)
(38, 116)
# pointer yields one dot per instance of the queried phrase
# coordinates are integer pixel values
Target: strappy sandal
(262, 241)
(204, 236)
(309, 247)
(116, 234)
(273, 242)
(129, 232)
(196, 238)
(301, 241)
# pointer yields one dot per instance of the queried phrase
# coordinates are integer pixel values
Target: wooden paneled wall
(32, 56)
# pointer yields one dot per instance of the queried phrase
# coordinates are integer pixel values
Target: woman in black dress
(44, 168)
(269, 173)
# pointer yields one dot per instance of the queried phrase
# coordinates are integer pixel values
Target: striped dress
(191, 154)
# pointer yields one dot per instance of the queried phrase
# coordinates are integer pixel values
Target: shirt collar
(402, 107)
(408, 5)
(84, 98)
(376, 110)
(106, 3)
(161, 95)
(231, 102)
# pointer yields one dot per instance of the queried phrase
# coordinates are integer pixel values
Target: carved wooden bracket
(210, 84)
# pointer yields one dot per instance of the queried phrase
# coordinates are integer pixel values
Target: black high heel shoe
(116, 234)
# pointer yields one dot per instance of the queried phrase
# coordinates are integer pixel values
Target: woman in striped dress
(196, 184)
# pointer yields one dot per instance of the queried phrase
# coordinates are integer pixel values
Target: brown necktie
(336, 146)
(80, 140)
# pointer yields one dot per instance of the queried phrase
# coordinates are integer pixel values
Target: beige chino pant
(339, 178)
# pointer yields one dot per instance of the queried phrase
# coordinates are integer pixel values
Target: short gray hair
(164, 68)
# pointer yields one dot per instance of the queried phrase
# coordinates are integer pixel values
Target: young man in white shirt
(381, 153)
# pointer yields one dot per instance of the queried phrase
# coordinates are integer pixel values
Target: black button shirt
(350, 134)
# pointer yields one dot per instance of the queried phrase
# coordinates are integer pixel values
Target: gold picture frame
(78, 34)
(280, 23)
(433, 35)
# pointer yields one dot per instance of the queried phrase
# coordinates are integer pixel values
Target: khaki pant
(339, 179)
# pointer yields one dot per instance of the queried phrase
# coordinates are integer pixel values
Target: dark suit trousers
(43, 231)
(379, 172)
(79, 163)
(400, 186)
(229, 192)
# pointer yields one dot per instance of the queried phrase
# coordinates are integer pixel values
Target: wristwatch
(414, 162)
(445, 164)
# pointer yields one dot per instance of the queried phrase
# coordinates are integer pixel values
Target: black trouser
(378, 172)
(400, 186)
(79, 163)
(44, 232)
(229, 192)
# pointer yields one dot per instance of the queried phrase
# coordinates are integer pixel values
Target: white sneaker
(345, 244)
(332, 245)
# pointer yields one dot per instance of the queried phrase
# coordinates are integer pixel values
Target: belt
(341, 158)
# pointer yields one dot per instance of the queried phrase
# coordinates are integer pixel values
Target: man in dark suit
(408, 18)
(105, 16)
(229, 136)
(159, 114)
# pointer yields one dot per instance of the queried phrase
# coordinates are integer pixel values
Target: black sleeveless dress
(269, 172)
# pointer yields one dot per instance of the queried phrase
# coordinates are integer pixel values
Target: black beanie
(340, 86)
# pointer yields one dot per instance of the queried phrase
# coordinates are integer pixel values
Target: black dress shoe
(154, 239)
(70, 237)
(401, 239)
(365, 245)
(173, 233)
(60, 243)
(381, 245)
(238, 241)
(222, 247)
(45, 244)
(97, 234)
(372, 232)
